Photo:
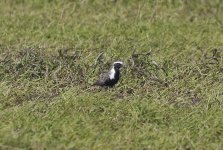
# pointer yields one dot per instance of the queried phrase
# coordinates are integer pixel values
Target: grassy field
(170, 95)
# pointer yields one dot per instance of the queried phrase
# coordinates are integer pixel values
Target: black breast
(112, 82)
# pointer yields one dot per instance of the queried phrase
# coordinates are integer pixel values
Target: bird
(110, 78)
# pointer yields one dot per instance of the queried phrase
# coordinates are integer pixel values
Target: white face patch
(112, 73)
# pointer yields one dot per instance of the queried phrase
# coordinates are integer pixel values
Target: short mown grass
(170, 95)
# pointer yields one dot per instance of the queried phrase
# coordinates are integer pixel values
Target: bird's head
(117, 64)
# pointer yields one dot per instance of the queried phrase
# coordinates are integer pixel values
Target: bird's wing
(102, 79)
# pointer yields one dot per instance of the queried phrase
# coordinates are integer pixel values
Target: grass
(170, 93)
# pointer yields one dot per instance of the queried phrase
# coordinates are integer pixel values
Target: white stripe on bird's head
(118, 62)
(116, 66)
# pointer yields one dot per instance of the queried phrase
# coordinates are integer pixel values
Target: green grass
(170, 95)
